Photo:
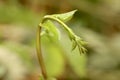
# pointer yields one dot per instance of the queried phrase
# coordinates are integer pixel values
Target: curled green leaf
(65, 16)
(51, 29)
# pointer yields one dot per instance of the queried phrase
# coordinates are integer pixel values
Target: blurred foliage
(97, 21)
(17, 15)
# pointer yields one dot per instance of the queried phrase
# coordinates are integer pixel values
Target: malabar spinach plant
(47, 27)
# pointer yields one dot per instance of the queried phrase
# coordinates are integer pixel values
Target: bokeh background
(97, 22)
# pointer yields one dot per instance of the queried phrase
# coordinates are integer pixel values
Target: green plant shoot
(51, 30)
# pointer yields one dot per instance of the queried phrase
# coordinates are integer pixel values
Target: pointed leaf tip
(65, 16)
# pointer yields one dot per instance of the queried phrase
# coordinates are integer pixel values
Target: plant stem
(39, 53)
(69, 31)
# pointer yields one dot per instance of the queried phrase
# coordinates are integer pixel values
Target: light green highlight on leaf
(65, 16)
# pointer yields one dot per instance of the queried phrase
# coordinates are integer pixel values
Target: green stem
(71, 35)
(39, 53)
(69, 31)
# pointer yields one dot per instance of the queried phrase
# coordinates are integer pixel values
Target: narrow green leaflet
(74, 45)
(78, 42)
(51, 29)
(65, 16)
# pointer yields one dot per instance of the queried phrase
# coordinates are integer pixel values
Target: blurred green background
(97, 22)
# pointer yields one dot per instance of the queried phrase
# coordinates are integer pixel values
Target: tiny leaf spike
(50, 29)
